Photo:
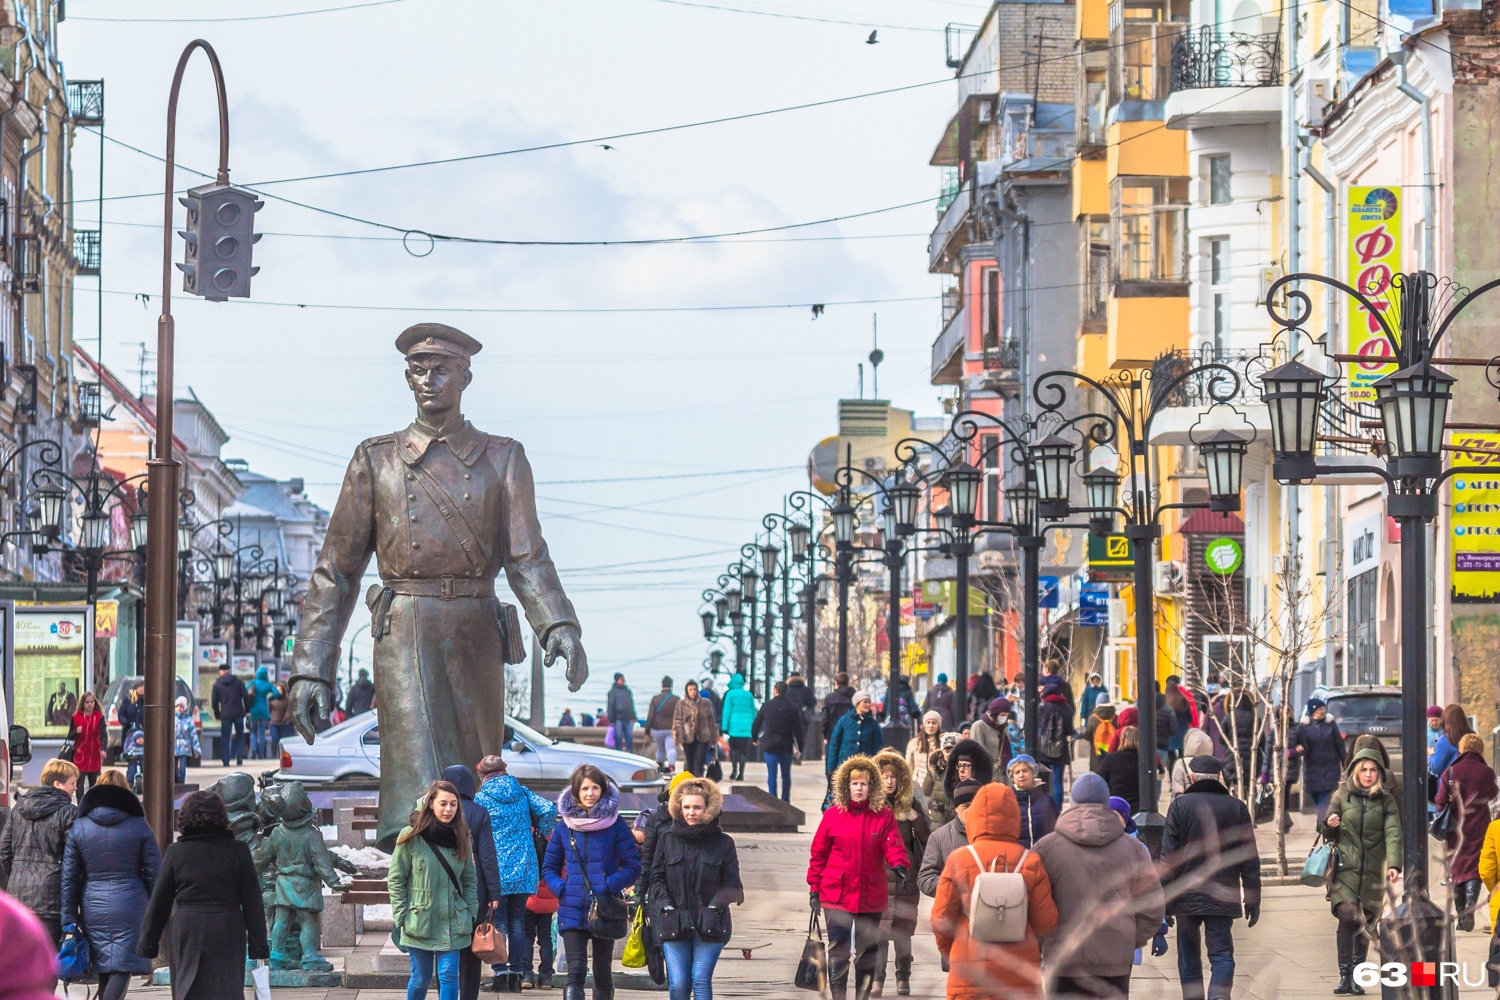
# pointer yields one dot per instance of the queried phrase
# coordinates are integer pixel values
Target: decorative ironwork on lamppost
(99, 493)
(1133, 398)
(1413, 403)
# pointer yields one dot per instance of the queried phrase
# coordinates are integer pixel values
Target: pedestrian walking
(1455, 726)
(737, 723)
(1489, 872)
(130, 713)
(800, 695)
(207, 903)
(922, 745)
(1434, 727)
(540, 908)
(1100, 730)
(939, 808)
(620, 711)
(898, 921)
(940, 699)
(779, 729)
(1320, 746)
(1180, 702)
(512, 812)
(857, 733)
(659, 716)
(1363, 823)
(1038, 810)
(280, 726)
(261, 691)
(1241, 722)
(946, 839)
(906, 708)
(487, 873)
(28, 963)
(991, 732)
(1469, 784)
(1195, 743)
(964, 762)
(33, 841)
(87, 733)
(837, 703)
(713, 698)
(695, 876)
(1109, 898)
(979, 970)
(657, 820)
(1211, 874)
(1054, 728)
(695, 727)
(434, 889)
(1090, 697)
(591, 854)
(982, 691)
(1120, 768)
(185, 743)
(110, 867)
(856, 840)
(361, 695)
(230, 706)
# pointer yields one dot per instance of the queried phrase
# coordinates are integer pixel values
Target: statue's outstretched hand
(564, 642)
(309, 698)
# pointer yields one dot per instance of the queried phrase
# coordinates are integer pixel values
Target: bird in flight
(872, 40)
(603, 145)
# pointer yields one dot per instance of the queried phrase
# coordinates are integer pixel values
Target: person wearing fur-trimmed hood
(856, 839)
(695, 875)
(898, 921)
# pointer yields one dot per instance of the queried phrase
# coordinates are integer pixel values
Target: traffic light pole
(161, 496)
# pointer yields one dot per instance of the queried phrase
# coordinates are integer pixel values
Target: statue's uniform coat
(443, 511)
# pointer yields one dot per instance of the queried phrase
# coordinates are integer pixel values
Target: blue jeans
(1320, 800)
(1190, 932)
(1059, 769)
(182, 770)
(231, 738)
(510, 918)
(779, 762)
(258, 742)
(690, 967)
(539, 931)
(421, 973)
(130, 772)
(624, 735)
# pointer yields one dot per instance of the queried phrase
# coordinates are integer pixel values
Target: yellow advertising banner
(1474, 524)
(1374, 256)
(106, 619)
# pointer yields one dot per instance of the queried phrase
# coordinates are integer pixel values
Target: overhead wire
(247, 17)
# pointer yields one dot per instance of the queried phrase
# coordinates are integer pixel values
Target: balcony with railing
(1184, 399)
(948, 349)
(87, 248)
(950, 229)
(1209, 64)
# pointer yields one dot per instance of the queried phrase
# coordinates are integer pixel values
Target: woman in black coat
(1121, 767)
(208, 891)
(695, 875)
(1319, 745)
(110, 866)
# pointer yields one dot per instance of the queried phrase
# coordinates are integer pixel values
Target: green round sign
(1224, 556)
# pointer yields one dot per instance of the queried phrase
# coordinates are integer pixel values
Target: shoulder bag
(606, 913)
(1446, 821)
(812, 970)
(488, 944)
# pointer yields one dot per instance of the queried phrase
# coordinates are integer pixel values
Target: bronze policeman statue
(444, 508)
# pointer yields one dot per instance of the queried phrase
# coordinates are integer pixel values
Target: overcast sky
(601, 387)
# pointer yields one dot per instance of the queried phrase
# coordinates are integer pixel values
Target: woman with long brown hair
(87, 734)
(1455, 727)
(434, 891)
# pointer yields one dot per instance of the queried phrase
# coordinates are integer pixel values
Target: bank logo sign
(1374, 257)
(1224, 556)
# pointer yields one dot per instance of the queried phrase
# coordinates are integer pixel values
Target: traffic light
(216, 260)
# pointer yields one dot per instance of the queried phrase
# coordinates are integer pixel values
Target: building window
(989, 458)
(1218, 284)
(1363, 660)
(990, 293)
(1096, 275)
(1218, 180)
(1140, 58)
(1149, 216)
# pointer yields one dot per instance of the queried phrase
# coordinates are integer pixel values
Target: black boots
(1346, 980)
(1466, 895)
(572, 993)
(903, 977)
(864, 983)
(838, 984)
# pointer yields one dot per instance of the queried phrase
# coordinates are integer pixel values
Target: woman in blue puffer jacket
(511, 809)
(595, 844)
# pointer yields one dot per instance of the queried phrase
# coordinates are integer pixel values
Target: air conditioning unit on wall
(1170, 578)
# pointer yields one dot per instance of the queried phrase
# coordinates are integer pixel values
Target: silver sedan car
(351, 751)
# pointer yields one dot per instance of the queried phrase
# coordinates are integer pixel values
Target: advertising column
(53, 658)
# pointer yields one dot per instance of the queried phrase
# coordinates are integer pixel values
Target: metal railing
(87, 249)
(1211, 58)
(1005, 357)
(1195, 391)
(1349, 428)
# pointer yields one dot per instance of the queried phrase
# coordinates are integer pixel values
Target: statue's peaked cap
(437, 338)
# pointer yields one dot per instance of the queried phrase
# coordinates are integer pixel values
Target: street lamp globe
(721, 608)
(942, 520)
(843, 523)
(1101, 488)
(138, 529)
(273, 600)
(1414, 409)
(904, 500)
(768, 554)
(749, 580)
(1020, 505)
(1053, 457)
(1224, 461)
(825, 589)
(733, 598)
(963, 490)
(185, 530)
(94, 530)
(49, 505)
(254, 584)
(888, 525)
(708, 624)
(223, 566)
(1293, 393)
(715, 657)
(800, 536)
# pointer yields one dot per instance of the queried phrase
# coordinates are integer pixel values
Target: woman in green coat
(434, 892)
(1363, 823)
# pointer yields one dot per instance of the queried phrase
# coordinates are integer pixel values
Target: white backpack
(997, 904)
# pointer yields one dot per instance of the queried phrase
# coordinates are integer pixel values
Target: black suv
(1367, 709)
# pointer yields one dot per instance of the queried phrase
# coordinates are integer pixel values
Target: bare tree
(518, 691)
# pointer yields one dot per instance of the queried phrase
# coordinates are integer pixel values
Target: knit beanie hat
(860, 696)
(1090, 788)
(1122, 807)
(1434, 712)
(965, 791)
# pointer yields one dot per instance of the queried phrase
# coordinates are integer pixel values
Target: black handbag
(608, 918)
(1445, 822)
(812, 970)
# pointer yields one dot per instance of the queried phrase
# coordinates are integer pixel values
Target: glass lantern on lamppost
(1413, 411)
(1224, 462)
(1293, 394)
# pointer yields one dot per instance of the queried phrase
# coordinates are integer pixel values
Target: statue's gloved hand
(309, 699)
(564, 642)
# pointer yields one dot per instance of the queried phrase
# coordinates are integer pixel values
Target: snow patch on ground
(364, 857)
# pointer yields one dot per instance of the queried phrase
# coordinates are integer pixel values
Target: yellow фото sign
(1474, 524)
(1374, 256)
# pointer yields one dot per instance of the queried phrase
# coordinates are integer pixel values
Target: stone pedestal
(342, 922)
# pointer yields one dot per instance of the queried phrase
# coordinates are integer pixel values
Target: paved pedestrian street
(1289, 954)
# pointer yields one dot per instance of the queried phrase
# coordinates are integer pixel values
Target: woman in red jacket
(87, 735)
(856, 840)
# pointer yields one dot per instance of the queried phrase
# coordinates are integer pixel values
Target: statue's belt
(379, 597)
